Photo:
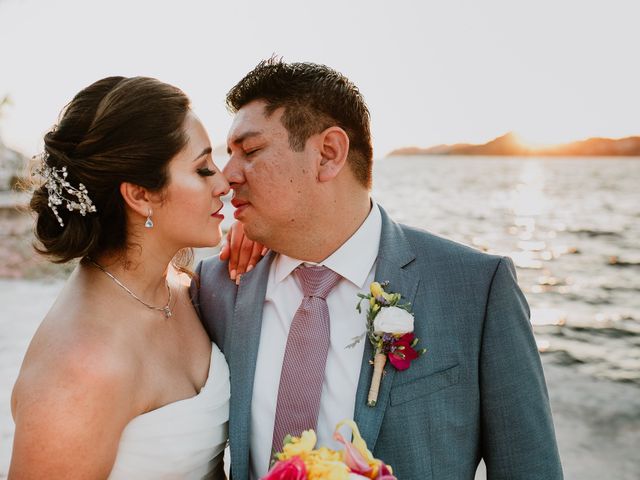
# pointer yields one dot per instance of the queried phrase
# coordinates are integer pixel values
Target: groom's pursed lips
(238, 203)
(240, 206)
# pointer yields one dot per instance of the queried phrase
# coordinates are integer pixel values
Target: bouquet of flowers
(300, 460)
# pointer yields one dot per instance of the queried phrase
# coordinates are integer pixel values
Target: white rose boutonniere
(390, 331)
(393, 320)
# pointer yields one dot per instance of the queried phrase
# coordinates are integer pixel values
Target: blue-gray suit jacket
(478, 392)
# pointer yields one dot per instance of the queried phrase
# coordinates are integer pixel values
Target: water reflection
(571, 227)
(528, 198)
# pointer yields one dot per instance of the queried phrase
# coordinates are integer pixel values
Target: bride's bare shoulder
(68, 362)
(75, 353)
(74, 395)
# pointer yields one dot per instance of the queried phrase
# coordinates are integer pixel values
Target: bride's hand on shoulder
(70, 410)
(243, 253)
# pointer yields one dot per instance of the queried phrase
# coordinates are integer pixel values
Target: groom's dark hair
(314, 97)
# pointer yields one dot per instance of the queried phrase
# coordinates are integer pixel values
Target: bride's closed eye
(205, 172)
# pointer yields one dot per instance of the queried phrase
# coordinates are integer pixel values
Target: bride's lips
(217, 214)
(240, 206)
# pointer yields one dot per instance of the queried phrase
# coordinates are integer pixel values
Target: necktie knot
(317, 281)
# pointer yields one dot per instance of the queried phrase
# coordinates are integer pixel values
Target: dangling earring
(149, 222)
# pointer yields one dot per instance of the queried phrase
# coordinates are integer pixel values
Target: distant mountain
(509, 144)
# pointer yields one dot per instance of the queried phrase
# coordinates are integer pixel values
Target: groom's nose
(233, 173)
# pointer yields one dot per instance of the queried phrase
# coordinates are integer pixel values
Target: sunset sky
(431, 71)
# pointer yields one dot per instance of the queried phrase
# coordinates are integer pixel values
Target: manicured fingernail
(233, 274)
(250, 268)
(238, 279)
(264, 251)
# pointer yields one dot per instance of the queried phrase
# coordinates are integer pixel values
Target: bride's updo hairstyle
(115, 130)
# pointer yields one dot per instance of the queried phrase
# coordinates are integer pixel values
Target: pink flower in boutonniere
(390, 331)
(401, 354)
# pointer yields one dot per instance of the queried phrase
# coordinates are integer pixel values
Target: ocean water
(572, 227)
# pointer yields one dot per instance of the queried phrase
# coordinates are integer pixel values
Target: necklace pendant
(167, 312)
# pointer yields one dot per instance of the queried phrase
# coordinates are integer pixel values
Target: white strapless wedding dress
(181, 440)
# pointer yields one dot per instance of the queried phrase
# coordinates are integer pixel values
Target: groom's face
(273, 184)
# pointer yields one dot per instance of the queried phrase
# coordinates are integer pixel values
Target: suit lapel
(243, 346)
(394, 255)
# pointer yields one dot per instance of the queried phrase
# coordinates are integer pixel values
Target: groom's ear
(136, 197)
(334, 149)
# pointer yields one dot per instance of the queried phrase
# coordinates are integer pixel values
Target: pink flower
(358, 457)
(402, 353)
(385, 473)
(353, 458)
(292, 469)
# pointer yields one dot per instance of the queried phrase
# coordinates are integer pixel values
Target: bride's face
(189, 212)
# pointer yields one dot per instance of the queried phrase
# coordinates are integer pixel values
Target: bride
(121, 380)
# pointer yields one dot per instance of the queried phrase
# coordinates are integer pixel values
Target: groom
(300, 166)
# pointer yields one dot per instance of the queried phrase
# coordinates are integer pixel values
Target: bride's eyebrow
(204, 152)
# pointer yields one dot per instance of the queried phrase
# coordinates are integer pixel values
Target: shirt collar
(355, 257)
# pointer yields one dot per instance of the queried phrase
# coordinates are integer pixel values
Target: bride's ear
(136, 197)
(334, 149)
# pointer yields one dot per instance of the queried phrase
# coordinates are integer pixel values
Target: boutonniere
(390, 331)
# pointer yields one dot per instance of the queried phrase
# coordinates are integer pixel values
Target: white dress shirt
(355, 262)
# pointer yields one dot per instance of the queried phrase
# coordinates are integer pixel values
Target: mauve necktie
(305, 356)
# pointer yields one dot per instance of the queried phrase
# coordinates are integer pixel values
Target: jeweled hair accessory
(62, 192)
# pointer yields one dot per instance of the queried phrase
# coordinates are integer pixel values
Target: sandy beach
(597, 421)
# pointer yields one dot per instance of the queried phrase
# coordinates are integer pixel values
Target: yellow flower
(376, 289)
(389, 297)
(325, 463)
(335, 470)
(299, 445)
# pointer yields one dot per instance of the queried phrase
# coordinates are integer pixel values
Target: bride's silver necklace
(166, 309)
